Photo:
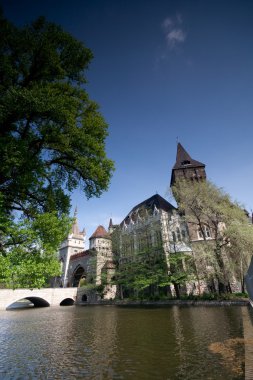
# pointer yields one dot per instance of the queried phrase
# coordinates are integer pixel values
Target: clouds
(173, 31)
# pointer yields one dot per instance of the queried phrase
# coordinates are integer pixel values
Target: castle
(154, 224)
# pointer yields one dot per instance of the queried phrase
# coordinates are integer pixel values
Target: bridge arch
(38, 297)
(67, 302)
(38, 301)
(34, 302)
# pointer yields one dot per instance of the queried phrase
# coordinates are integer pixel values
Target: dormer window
(186, 162)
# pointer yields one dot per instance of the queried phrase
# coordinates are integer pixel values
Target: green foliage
(241, 295)
(82, 282)
(147, 274)
(205, 205)
(88, 286)
(28, 255)
(52, 135)
(144, 269)
(52, 140)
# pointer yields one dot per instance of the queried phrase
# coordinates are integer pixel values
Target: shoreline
(239, 302)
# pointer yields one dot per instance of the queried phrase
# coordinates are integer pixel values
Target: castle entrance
(77, 275)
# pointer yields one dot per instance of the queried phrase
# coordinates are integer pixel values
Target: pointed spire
(110, 223)
(184, 159)
(183, 163)
(75, 228)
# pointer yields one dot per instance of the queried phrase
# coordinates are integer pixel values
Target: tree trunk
(176, 286)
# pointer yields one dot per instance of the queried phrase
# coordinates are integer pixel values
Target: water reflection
(127, 343)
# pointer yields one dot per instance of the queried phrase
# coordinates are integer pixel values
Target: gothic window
(174, 236)
(183, 234)
(200, 233)
(207, 232)
(178, 234)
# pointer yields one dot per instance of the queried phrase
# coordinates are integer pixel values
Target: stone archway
(23, 303)
(77, 275)
(67, 302)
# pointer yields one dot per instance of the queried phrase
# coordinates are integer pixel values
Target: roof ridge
(158, 200)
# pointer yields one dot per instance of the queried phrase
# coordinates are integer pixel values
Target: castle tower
(100, 241)
(191, 170)
(186, 168)
(74, 243)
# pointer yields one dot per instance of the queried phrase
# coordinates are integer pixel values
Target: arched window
(200, 233)
(207, 232)
(174, 236)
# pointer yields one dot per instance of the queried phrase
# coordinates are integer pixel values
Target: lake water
(110, 342)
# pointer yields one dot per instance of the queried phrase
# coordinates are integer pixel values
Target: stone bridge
(39, 297)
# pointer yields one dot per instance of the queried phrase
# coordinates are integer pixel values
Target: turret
(74, 243)
(100, 240)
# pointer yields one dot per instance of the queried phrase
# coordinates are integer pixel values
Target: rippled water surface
(109, 342)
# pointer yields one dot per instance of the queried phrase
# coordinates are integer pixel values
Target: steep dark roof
(184, 159)
(155, 201)
(100, 233)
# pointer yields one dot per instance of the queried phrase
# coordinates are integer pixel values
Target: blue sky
(163, 70)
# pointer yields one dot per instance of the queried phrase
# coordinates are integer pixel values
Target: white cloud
(175, 36)
(174, 33)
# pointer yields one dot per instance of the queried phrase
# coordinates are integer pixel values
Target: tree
(52, 140)
(142, 268)
(210, 211)
(52, 136)
(28, 249)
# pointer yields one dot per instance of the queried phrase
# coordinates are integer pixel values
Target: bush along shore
(237, 299)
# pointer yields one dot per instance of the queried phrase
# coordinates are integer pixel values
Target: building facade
(88, 267)
(152, 226)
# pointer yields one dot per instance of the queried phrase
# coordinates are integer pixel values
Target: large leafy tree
(52, 136)
(52, 141)
(226, 256)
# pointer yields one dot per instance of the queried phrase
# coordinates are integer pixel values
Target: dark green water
(108, 342)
